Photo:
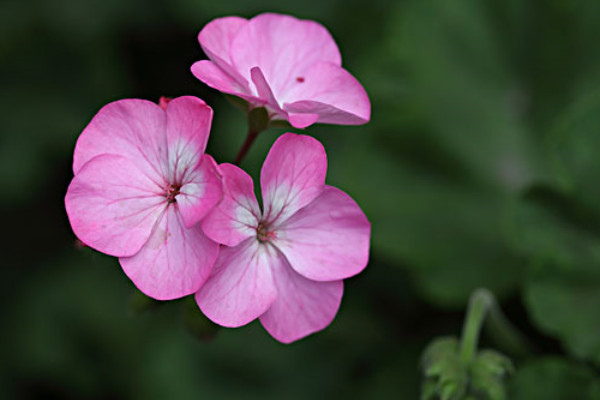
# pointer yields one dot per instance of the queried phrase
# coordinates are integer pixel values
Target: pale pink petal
(237, 215)
(201, 192)
(331, 92)
(215, 77)
(240, 287)
(215, 39)
(113, 206)
(188, 128)
(283, 47)
(301, 121)
(328, 239)
(263, 89)
(302, 306)
(216, 36)
(174, 262)
(131, 128)
(292, 176)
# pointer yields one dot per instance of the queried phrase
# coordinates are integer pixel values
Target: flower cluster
(145, 191)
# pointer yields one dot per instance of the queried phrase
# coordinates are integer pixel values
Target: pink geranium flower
(284, 265)
(142, 183)
(290, 66)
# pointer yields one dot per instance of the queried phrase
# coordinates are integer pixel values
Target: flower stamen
(263, 234)
(172, 192)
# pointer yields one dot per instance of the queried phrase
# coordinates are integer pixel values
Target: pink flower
(284, 265)
(290, 66)
(142, 183)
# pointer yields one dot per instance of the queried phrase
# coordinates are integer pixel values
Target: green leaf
(562, 292)
(553, 378)
(447, 233)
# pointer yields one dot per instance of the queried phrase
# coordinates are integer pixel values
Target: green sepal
(238, 102)
(258, 120)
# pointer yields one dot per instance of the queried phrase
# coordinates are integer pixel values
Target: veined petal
(330, 92)
(302, 306)
(292, 176)
(174, 262)
(113, 206)
(131, 128)
(188, 128)
(283, 46)
(237, 215)
(201, 192)
(240, 287)
(328, 239)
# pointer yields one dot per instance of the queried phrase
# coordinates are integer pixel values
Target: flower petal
(302, 120)
(215, 77)
(201, 192)
(215, 39)
(131, 128)
(292, 176)
(263, 89)
(188, 128)
(331, 92)
(216, 36)
(174, 262)
(237, 215)
(328, 239)
(241, 287)
(283, 47)
(302, 306)
(113, 206)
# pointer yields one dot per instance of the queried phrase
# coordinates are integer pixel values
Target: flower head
(284, 265)
(142, 183)
(291, 67)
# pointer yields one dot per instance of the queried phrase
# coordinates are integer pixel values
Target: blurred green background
(480, 167)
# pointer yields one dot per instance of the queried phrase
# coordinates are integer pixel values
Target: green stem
(245, 147)
(258, 121)
(480, 302)
(505, 335)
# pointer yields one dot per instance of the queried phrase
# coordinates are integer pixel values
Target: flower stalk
(479, 304)
(258, 121)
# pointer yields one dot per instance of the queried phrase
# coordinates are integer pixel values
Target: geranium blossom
(284, 265)
(142, 184)
(290, 66)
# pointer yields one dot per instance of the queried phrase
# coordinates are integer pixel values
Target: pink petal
(302, 306)
(131, 128)
(237, 215)
(283, 47)
(174, 262)
(215, 77)
(331, 92)
(263, 89)
(292, 176)
(113, 206)
(216, 36)
(301, 121)
(188, 128)
(241, 287)
(201, 192)
(328, 239)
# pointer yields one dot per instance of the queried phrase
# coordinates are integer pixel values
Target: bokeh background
(480, 168)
